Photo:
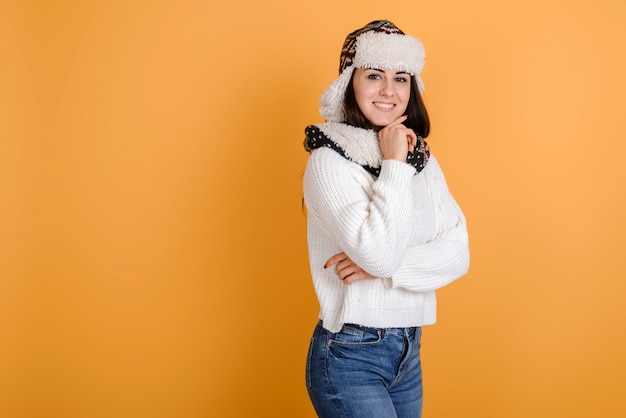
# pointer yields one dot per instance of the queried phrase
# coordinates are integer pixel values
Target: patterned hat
(379, 44)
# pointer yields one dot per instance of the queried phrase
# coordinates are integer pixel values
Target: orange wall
(152, 243)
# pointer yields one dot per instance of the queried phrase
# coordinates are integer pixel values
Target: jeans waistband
(402, 331)
(408, 331)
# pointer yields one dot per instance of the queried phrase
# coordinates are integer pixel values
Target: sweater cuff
(396, 171)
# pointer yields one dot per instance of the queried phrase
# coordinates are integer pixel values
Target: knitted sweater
(402, 227)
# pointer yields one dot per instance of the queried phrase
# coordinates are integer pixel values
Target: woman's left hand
(345, 268)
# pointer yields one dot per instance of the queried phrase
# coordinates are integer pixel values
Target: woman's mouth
(384, 106)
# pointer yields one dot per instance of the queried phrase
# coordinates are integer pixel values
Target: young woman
(383, 230)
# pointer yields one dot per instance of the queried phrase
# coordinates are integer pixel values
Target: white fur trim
(361, 145)
(389, 51)
(332, 98)
(374, 50)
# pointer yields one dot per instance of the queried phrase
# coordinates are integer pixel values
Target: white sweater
(402, 227)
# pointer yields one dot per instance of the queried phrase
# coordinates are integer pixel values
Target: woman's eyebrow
(383, 70)
(380, 70)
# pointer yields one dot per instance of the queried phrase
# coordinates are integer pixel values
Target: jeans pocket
(354, 336)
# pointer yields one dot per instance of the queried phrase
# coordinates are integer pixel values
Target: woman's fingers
(412, 139)
(346, 270)
(335, 259)
(353, 273)
(396, 140)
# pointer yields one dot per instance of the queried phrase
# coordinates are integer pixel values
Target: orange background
(152, 242)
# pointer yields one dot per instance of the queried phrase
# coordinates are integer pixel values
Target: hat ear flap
(332, 100)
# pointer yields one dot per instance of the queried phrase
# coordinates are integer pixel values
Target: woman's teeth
(383, 105)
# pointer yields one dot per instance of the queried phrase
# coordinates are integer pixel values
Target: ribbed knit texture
(404, 228)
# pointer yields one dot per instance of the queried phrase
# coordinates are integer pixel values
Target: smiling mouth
(384, 106)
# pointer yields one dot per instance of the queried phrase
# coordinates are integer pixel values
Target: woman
(383, 230)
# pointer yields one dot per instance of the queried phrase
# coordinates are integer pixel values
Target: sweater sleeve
(435, 263)
(370, 222)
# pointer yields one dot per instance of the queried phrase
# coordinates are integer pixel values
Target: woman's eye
(401, 79)
(373, 76)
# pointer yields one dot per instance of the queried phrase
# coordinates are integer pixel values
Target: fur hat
(379, 44)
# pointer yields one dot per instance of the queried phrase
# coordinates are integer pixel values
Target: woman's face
(382, 95)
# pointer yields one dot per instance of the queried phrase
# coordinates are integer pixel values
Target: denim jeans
(365, 372)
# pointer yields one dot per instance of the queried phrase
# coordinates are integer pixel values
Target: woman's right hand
(396, 140)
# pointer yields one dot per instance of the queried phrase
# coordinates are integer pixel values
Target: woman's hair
(416, 110)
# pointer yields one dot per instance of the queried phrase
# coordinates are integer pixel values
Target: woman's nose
(387, 88)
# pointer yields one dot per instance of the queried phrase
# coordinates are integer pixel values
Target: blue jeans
(365, 372)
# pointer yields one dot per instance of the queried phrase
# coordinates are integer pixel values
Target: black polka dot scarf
(315, 138)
